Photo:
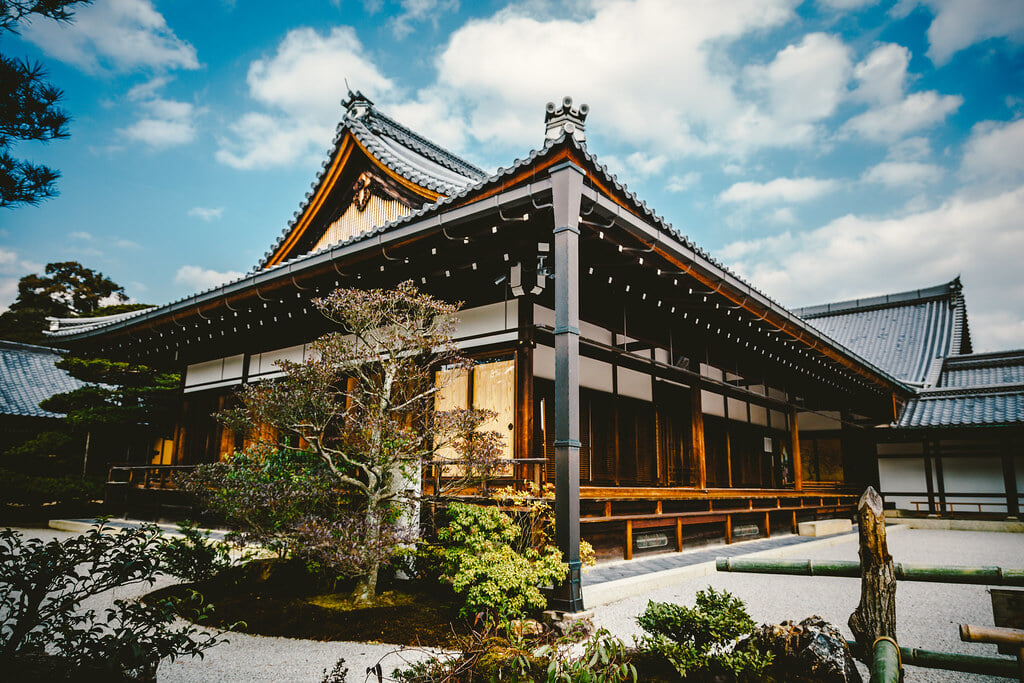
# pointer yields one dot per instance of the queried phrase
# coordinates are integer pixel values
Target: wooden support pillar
(929, 478)
(796, 527)
(728, 529)
(798, 468)
(767, 526)
(679, 534)
(1010, 482)
(566, 195)
(940, 480)
(628, 550)
(697, 437)
(524, 447)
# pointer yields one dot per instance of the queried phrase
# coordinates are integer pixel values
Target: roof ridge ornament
(356, 104)
(566, 119)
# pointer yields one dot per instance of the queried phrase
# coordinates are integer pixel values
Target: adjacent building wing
(985, 389)
(28, 376)
(907, 334)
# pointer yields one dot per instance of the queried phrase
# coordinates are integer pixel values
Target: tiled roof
(27, 376)
(902, 333)
(965, 408)
(973, 390)
(402, 150)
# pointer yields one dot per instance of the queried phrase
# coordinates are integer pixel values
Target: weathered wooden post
(875, 616)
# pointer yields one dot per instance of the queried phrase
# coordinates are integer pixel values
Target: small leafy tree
(66, 289)
(485, 563)
(363, 403)
(265, 494)
(43, 585)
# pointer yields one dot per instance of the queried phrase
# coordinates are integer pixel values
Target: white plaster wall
(635, 384)
(974, 475)
(818, 421)
(214, 373)
(902, 474)
(496, 317)
(595, 374)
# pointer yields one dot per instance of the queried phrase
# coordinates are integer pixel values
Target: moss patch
(270, 606)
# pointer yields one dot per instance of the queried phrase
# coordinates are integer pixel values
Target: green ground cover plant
(44, 628)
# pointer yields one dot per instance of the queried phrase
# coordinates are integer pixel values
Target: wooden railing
(947, 503)
(146, 476)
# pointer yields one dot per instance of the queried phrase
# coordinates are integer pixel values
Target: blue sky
(825, 150)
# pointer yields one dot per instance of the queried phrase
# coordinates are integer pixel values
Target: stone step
(825, 527)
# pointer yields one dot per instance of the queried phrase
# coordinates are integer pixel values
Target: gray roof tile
(27, 376)
(901, 333)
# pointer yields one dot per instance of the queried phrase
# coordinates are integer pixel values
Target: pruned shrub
(700, 641)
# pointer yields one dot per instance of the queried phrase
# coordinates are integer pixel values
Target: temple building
(667, 399)
(956, 444)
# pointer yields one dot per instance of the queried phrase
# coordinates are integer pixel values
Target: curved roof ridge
(949, 289)
(424, 146)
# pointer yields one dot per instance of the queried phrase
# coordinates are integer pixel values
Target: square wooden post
(798, 468)
(697, 436)
(566, 195)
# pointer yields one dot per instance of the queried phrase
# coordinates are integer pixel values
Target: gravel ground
(927, 614)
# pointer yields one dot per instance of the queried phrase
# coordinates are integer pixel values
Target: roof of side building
(28, 376)
(906, 334)
(985, 389)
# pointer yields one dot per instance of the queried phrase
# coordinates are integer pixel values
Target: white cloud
(655, 69)
(889, 123)
(80, 235)
(806, 81)
(779, 190)
(903, 174)
(302, 86)
(113, 34)
(958, 24)
(882, 75)
(418, 10)
(683, 183)
(995, 152)
(12, 268)
(844, 5)
(855, 256)
(197, 278)
(644, 165)
(166, 123)
(206, 214)
(783, 216)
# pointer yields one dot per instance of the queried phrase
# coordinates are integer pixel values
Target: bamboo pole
(886, 665)
(987, 576)
(952, 661)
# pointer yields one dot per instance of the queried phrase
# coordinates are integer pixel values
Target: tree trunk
(875, 616)
(365, 591)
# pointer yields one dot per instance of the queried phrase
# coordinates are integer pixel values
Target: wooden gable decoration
(377, 172)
